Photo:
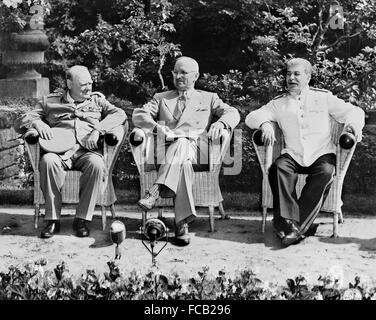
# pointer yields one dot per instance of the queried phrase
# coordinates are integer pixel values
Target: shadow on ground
(368, 245)
(234, 229)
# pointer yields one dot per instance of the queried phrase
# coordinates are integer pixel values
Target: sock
(154, 190)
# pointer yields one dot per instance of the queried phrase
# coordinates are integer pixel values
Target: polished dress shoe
(52, 227)
(182, 237)
(281, 227)
(148, 202)
(280, 234)
(79, 225)
(294, 236)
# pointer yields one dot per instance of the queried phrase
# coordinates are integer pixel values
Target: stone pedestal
(28, 88)
(24, 52)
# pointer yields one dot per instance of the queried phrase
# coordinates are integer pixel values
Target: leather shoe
(182, 237)
(52, 227)
(148, 202)
(280, 234)
(294, 236)
(79, 225)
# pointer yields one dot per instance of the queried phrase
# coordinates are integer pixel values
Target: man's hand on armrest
(267, 133)
(44, 130)
(91, 142)
(352, 129)
(217, 129)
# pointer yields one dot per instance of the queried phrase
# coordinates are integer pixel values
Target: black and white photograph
(193, 151)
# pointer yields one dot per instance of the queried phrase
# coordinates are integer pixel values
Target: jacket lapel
(191, 106)
(170, 101)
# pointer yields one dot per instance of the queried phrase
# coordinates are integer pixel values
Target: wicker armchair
(70, 190)
(333, 203)
(206, 191)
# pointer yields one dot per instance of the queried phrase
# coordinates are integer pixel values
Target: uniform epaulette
(97, 93)
(54, 94)
(279, 96)
(319, 89)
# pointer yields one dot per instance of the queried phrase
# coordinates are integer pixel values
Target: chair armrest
(31, 138)
(343, 156)
(112, 145)
(265, 153)
(343, 159)
(141, 147)
(218, 149)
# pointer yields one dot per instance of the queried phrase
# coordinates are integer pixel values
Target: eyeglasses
(182, 73)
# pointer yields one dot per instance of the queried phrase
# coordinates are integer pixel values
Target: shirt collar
(68, 97)
(188, 93)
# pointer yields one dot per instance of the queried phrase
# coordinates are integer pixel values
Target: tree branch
(322, 28)
(162, 60)
(147, 8)
(340, 39)
(319, 25)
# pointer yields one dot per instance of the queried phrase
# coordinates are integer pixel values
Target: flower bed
(33, 282)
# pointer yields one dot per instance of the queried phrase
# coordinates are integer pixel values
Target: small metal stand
(154, 230)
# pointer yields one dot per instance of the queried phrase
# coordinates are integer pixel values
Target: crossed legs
(175, 179)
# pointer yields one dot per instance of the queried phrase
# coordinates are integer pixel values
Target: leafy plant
(33, 282)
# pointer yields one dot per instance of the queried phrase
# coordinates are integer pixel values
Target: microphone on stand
(117, 232)
(154, 230)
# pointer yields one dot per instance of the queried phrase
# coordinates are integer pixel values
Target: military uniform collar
(68, 98)
(301, 96)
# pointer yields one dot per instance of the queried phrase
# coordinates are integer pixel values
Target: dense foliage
(34, 282)
(241, 46)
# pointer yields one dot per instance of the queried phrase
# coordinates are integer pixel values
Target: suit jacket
(201, 108)
(59, 110)
(305, 121)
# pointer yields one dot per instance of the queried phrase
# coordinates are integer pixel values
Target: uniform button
(302, 116)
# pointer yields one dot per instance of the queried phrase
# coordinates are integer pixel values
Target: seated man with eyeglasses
(184, 119)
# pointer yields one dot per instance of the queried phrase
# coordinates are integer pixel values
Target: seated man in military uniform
(88, 114)
(303, 113)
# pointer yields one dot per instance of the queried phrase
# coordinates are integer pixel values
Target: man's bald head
(192, 63)
(76, 70)
(185, 73)
(79, 82)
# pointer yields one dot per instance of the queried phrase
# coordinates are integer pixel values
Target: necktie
(180, 106)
